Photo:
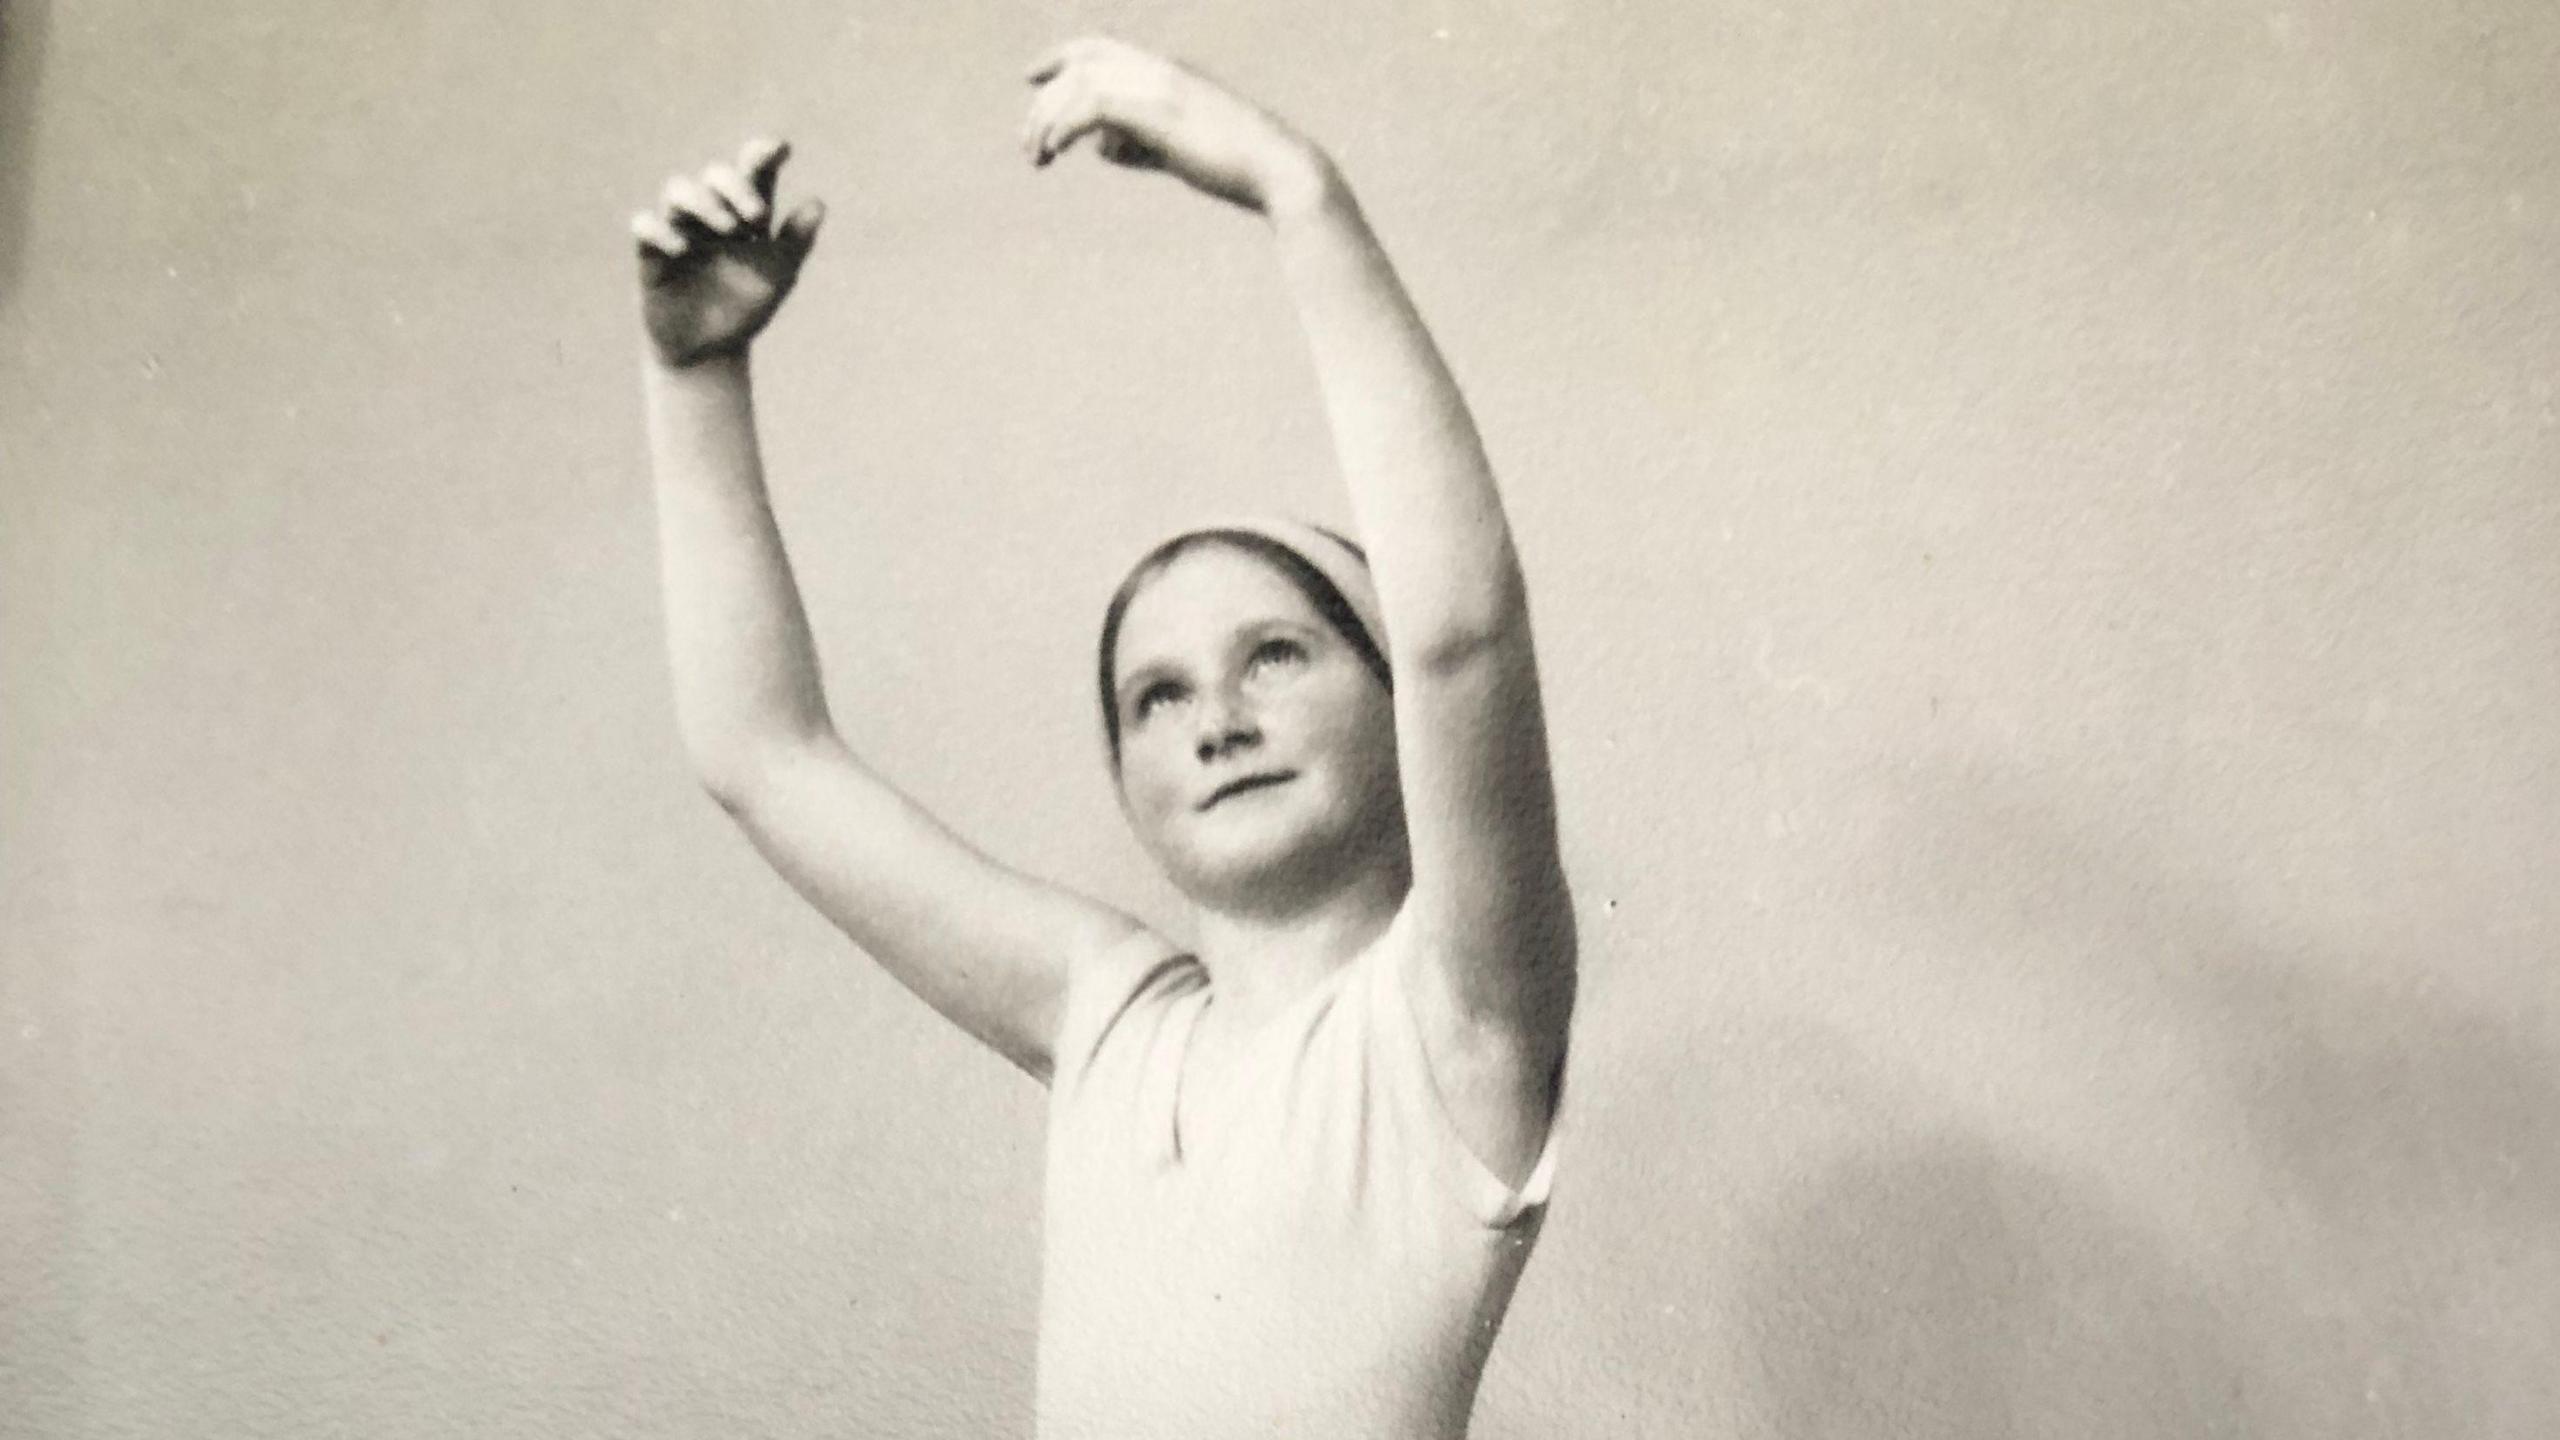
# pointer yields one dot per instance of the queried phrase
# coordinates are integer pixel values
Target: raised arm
(985, 946)
(1489, 899)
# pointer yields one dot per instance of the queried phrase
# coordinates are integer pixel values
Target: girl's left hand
(1150, 113)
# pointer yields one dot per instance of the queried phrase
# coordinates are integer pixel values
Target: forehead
(1204, 595)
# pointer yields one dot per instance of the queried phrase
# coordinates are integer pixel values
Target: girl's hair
(1311, 580)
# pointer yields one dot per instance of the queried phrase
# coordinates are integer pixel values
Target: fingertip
(655, 236)
(762, 156)
(742, 194)
(800, 229)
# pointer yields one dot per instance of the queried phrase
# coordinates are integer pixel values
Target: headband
(1335, 558)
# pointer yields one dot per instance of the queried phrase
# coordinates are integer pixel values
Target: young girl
(1295, 1170)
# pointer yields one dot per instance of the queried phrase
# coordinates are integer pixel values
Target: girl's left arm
(1494, 987)
(1489, 896)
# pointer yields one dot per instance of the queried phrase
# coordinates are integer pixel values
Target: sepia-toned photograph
(1126, 721)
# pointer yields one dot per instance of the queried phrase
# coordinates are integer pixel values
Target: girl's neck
(1257, 964)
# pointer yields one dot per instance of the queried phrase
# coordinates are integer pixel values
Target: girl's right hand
(713, 264)
(1147, 112)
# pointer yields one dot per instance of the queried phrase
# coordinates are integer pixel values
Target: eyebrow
(1134, 683)
(1137, 681)
(1264, 629)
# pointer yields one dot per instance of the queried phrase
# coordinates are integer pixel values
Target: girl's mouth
(1244, 783)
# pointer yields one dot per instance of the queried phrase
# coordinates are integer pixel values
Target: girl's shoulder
(1139, 971)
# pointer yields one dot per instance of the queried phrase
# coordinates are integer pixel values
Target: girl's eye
(1277, 652)
(1153, 697)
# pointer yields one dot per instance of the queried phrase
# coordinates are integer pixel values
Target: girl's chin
(1275, 859)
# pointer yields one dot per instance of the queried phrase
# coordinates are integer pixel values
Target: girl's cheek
(1167, 796)
(1149, 785)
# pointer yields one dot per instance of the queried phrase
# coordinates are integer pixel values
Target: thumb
(1122, 148)
(799, 230)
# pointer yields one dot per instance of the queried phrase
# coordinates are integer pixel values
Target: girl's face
(1257, 751)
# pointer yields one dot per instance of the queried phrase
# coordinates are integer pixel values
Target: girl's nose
(1225, 727)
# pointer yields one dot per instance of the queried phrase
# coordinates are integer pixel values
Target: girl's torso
(1302, 1245)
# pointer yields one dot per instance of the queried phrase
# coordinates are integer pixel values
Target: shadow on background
(2403, 1151)
(22, 37)
(1935, 1289)
(2371, 1102)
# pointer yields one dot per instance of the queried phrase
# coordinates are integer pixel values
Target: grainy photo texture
(1365, 722)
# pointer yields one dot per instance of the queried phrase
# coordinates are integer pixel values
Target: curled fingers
(737, 194)
(655, 234)
(1066, 113)
(760, 160)
(689, 204)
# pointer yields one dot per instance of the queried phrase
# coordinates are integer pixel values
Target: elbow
(1466, 621)
(1468, 639)
(735, 775)
(726, 785)
(726, 791)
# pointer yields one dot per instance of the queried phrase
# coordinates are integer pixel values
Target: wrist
(718, 369)
(1304, 185)
(710, 389)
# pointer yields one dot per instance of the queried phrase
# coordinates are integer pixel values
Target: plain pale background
(2047, 563)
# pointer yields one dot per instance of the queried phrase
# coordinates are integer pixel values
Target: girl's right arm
(984, 945)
